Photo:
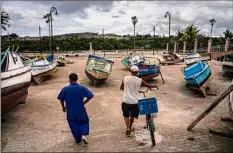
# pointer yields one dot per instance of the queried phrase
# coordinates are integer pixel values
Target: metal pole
(40, 32)
(134, 39)
(211, 31)
(154, 40)
(49, 38)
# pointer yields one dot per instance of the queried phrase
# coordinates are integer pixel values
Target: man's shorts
(130, 110)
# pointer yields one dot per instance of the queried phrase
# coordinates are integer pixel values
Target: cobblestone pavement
(40, 125)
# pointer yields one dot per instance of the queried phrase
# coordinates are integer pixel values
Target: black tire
(152, 132)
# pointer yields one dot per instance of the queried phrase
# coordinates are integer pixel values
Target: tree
(179, 35)
(190, 35)
(5, 20)
(13, 35)
(228, 34)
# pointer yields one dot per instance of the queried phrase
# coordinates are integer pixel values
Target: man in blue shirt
(73, 96)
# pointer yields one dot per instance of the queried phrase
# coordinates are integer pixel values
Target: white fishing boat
(195, 58)
(71, 54)
(15, 80)
(41, 69)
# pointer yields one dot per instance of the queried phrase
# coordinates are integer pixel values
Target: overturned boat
(15, 80)
(98, 69)
(148, 72)
(131, 60)
(198, 76)
(195, 58)
(41, 69)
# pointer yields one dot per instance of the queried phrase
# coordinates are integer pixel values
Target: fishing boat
(61, 61)
(98, 69)
(131, 60)
(41, 69)
(71, 54)
(227, 64)
(197, 75)
(169, 59)
(195, 58)
(15, 80)
(148, 72)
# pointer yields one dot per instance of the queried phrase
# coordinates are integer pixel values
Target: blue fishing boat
(197, 74)
(148, 72)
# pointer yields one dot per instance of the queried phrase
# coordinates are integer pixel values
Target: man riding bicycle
(130, 85)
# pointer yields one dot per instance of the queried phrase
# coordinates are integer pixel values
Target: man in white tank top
(131, 85)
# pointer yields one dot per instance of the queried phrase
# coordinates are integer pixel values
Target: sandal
(127, 132)
(132, 129)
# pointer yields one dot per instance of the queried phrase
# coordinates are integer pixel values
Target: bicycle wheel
(151, 125)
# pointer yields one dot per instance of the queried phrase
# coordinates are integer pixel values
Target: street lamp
(53, 9)
(169, 24)
(134, 21)
(212, 21)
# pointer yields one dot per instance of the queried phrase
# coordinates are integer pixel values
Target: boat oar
(212, 106)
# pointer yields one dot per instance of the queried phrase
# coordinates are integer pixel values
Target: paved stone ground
(40, 125)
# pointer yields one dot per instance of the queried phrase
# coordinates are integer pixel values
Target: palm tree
(212, 21)
(47, 18)
(179, 35)
(5, 20)
(190, 34)
(228, 34)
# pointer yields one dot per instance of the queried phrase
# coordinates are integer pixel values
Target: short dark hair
(73, 77)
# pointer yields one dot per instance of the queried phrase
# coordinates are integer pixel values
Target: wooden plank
(211, 107)
(161, 76)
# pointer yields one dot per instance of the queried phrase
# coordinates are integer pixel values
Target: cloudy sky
(115, 16)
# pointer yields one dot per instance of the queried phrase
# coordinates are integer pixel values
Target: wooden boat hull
(197, 73)
(13, 95)
(14, 87)
(60, 63)
(41, 73)
(95, 81)
(149, 77)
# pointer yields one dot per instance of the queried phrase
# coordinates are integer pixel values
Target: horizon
(115, 17)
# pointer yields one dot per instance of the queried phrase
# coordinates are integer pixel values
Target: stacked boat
(197, 73)
(146, 71)
(15, 80)
(191, 59)
(98, 69)
(132, 59)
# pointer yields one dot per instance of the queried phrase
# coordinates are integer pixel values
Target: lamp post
(169, 24)
(154, 40)
(212, 21)
(134, 21)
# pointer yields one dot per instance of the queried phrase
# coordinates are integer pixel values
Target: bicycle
(148, 106)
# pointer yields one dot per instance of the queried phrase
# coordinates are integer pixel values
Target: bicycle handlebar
(141, 91)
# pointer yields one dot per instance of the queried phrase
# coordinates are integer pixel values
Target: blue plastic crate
(147, 106)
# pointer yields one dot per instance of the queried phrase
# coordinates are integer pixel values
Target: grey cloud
(115, 16)
(121, 12)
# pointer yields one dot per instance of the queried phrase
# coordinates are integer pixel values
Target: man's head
(73, 77)
(134, 70)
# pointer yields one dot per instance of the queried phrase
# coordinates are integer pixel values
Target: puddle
(143, 137)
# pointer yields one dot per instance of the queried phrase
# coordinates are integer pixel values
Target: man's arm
(122, 86)
(88, 94)
(63, 106)
(149, 85)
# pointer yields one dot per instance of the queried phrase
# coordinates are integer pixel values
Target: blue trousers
(78, 129)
